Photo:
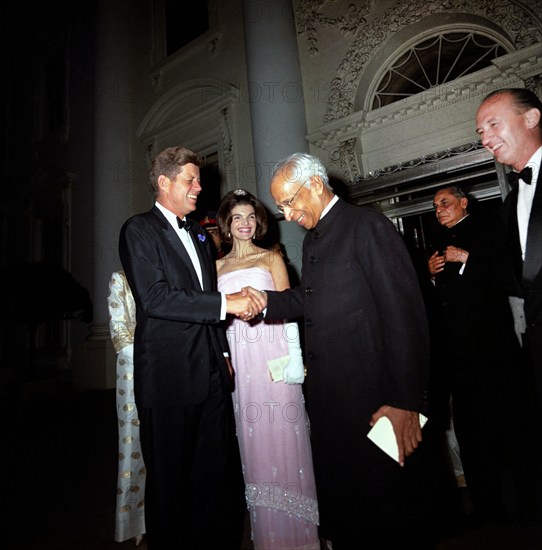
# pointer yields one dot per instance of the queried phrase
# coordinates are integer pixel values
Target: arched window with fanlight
(404, 191)
(434, 61)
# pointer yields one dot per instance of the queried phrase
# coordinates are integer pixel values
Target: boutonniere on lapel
(201, 238)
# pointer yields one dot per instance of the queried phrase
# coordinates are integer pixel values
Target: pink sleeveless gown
(272, 430)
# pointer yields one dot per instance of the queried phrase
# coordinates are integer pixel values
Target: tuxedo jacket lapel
(533, 253)
(514, 248)
(204, 260)
(201, 246)
(171, 236)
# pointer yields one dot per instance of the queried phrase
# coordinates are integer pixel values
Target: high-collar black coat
(366, 345)
(475, 317)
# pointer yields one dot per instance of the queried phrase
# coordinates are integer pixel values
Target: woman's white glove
(294, 371)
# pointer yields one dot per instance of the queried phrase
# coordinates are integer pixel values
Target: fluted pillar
(277, 105)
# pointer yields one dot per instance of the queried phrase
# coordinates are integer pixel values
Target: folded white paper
(276, 367)
(382, 434)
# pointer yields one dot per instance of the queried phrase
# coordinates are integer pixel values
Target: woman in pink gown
(272, 425)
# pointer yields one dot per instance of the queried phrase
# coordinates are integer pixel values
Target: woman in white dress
(272, 425)
(130, 512)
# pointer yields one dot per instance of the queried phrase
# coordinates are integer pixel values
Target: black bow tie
(186, 224)
(526, 175)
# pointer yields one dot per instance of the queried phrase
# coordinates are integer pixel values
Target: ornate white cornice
(518, 20)
(505, 71)
(332, 134)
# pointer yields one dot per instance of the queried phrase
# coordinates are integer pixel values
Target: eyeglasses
(290, 202)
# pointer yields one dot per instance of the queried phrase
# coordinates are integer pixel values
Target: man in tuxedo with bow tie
(509, 124)
(182, 374)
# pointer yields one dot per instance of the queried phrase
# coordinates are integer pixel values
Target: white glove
(294, 371)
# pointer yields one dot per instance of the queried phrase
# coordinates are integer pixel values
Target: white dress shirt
(186, 239)
(525, 199)
(188, 243)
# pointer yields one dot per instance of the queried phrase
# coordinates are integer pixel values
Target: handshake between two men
(247, 303)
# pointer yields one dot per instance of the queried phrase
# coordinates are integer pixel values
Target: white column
(275, 91)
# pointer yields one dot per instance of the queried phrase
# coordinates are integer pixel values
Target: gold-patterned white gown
(129, 515)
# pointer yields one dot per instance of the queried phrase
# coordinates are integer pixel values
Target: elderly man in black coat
(366, 354)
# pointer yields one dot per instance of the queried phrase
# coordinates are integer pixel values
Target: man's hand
(243, 305)
(435, 264)
(406, 426)
(230, 367)
(259, 296)
(454, 254)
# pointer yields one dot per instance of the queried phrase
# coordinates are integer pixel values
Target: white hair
(301, 167)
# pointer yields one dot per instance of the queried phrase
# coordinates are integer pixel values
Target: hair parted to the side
(301, 167)
(522, 98)
(454, 190)
(169, 162)
(224, 214)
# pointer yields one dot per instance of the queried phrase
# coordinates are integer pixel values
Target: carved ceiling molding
(340, 136)
(506, 71)
(464, 89)
(309, 17)
(518, 20)
(346, 157)
(225, 123)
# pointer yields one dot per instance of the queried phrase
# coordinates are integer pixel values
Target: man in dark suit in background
(510, 127)
(366, 354)
(476, 353)
(182, 376)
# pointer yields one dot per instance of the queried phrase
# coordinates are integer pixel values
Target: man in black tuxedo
(509, 124)
(182, 375)
(366, 354)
